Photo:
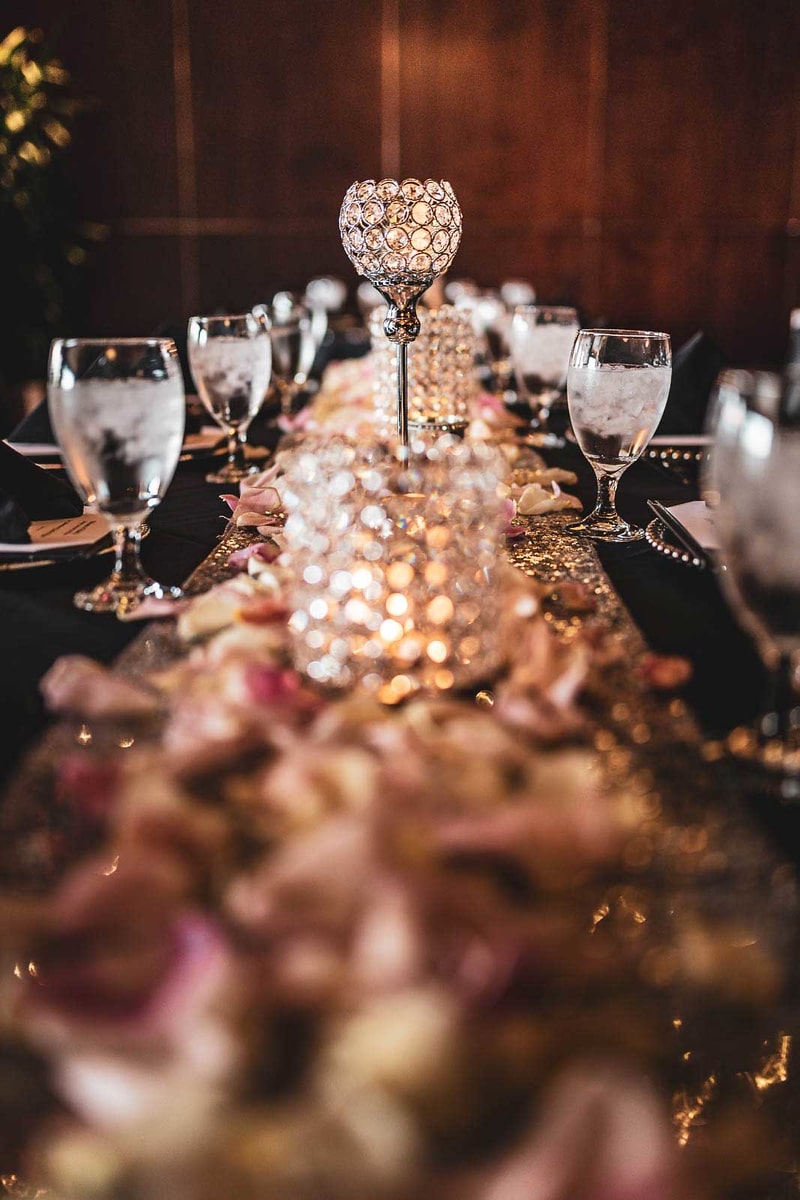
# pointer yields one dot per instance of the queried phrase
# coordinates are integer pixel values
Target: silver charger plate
(661, 539)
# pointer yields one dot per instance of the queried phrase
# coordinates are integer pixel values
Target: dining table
(680, 610)
(664, 606)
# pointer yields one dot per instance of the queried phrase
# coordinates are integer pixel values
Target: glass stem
(781, 699)
(236, 441)
(128, 567)
(540, 412)
(288, 392)
(605, 508)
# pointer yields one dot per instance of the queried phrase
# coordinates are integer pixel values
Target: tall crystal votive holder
(441, 374)
(395, 567)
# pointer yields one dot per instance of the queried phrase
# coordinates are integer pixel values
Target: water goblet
(751, 480)
(293, 346)
(541, 340)
(491, 321)
(118, 409)
(230, 357)
(514, 292)
(617, 386)
(323, 295)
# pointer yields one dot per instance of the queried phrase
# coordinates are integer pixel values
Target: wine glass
(231, 358)
(118, 409)
(324, 294)
(541, 339)
(293, 347)
(514, 292)
(617, 386)
(751, 480)
(491, 320)
(368, 299)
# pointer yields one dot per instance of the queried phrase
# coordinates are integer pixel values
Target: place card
(697, 518)
(62, 533)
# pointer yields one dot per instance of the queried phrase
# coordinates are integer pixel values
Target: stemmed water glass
(751, 480)
(324, 294)
(541, 339)
(231, 360)
(118, 410)
(491, 321)
(617, 387)
(293, 347)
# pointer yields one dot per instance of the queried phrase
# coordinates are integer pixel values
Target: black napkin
(35, 427)
(14, 521)
(694, 370)
(37, 493)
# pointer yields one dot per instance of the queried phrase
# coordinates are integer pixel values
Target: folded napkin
(34, 492)
(697, 519)
(13, 520)
(694, 369)
(35, 427)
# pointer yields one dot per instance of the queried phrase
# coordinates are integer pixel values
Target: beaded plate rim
(657, 536)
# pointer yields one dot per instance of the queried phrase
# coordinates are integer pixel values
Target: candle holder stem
(401, 327)
(402, 395)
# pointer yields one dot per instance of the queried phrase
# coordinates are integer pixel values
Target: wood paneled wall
(640, 158)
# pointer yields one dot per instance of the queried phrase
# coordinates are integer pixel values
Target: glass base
(111, 596)
(605, 531)
(543, 439)
(232, 474)
(776, 755)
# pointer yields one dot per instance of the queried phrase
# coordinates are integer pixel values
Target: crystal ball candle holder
(400, 234)
(400, 229)
(441, 374)
(394, 568)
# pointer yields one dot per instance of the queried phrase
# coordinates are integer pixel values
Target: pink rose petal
(75, 684)
(266, 551)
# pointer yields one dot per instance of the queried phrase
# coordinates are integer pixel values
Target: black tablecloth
(679, 609)
(38, 621)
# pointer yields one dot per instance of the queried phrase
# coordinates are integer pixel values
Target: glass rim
(628, 333)
(241, 316)
(122, 341)
(553, 308)
(737, 376)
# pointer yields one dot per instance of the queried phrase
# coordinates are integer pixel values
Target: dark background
(640, 158)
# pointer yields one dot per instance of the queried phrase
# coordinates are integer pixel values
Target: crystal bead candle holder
(400, 234)
(395, 568)
(441, 375)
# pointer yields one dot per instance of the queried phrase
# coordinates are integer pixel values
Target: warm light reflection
(110, 870)
(687, 1113)
(776, 1066)
(599, 915)
(17, 1188)
(396, 605)
(84, 735)
(437, 651)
